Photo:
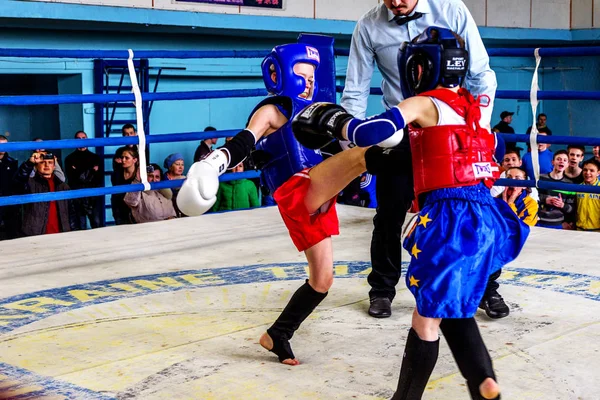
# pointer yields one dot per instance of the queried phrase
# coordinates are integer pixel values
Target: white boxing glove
(199, 191)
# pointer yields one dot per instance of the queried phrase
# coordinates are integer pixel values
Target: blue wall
(76, 76)
(565, 117)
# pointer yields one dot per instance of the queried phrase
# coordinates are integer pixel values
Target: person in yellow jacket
(519, 199)
(588, 204)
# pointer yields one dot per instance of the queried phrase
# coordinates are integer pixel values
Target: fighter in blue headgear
(435, 57)
(286, 82)
(305, 195)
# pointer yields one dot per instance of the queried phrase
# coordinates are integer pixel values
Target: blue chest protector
(284, 154)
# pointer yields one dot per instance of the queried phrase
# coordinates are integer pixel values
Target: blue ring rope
(116, 141)
(189, 136)
(574, 140)
(523, 94)
(222, 94)
(112, 98)
(567, 187)
(104, 98)
(74, 194)
(526, 52)
(186, 54)
(78, 193)
(124, 54)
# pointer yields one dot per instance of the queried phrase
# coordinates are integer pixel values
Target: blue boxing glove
(384, 130)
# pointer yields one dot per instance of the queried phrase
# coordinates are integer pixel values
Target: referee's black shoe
(380, 307)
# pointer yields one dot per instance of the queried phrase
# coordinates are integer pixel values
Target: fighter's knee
(322, 284)
(426, 328)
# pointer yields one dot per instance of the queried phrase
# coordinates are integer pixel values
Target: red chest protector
(448, 156)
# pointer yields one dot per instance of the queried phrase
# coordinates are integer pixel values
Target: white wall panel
(198, 7)
(350, 10)
(551, 14)
(508, 13)
(122, 3)
(291, 8)
(478, 10)
(581, 14)
(596, 13)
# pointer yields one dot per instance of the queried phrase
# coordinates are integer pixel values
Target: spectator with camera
(58, 172)
(8, 214)
(151, 205)
(43, 217)
(124, 176)
(83, 171)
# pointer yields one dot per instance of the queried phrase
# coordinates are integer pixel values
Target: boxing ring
(174, 309)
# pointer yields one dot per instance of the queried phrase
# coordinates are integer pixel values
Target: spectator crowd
(83, 169)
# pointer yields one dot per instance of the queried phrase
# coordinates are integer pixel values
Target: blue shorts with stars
(460, 237)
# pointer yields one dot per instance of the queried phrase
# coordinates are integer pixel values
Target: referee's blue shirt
(377, 38)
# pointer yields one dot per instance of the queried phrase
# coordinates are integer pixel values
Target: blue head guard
(435, 57)
(281, 60)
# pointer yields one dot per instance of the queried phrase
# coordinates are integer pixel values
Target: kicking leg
(332, 175)
(472, 357)
(420, 356)
(302, 303)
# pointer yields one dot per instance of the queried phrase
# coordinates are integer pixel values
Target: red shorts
(305, 229)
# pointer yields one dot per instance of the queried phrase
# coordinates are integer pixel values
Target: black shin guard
(302, 303)
(469, 352)
(417, 364)
(239, 147)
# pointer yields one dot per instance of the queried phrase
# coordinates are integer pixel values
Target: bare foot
(489, 389)
(266, 342)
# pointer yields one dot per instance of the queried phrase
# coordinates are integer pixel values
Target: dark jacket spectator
(541, 124)
(43, 217)
(504, 127)
(205, 146)
(9, 215)
(124, 176)
(82, 168)
(596, 154)
(8, 169)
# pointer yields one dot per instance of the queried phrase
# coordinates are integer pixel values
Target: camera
(47, 156)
